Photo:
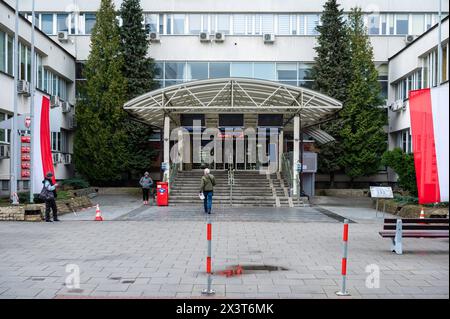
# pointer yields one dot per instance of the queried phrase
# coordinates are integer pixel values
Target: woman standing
(146, 183)
(48, 194)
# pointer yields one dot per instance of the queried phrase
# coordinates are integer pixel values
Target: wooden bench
(396, 229)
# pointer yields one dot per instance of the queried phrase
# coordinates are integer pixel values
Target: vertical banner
(42, 153)
(426, 136)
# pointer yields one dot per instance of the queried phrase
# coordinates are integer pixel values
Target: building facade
(55, 78)
(267, 40)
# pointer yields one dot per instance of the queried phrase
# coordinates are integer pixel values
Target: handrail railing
(287, 171)
(173, 170)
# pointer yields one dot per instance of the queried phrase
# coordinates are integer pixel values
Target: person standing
(48, 194)
(146, 183)
(207, 188)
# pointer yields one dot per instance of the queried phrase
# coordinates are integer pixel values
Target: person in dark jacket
(207, 188)
(146, 183)
(49, 195)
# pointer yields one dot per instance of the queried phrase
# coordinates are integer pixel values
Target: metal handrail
(173, 172)
(287, 171)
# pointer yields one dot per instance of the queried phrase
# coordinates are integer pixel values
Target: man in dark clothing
(49, 194)
(207, 188)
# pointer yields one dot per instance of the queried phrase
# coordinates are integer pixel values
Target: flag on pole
(429, 111)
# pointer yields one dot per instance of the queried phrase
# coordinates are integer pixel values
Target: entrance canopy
(233, 95)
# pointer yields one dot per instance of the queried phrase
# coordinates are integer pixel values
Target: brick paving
(160, 253)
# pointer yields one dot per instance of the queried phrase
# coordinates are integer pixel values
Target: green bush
(403, 164)
(75, 183)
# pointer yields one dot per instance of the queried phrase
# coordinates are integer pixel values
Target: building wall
(54, 59)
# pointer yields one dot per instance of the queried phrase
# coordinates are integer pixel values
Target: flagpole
(14, 135)
(33, 89)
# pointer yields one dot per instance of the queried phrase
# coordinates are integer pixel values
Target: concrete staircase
(251, 189)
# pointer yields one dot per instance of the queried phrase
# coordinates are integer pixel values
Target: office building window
(196, 71)
(174, 70)
(239, 24)
(25, 184)
(73, 23)
(242, 70)
(402, 23)
(89, 22)
(284, 24)
(55, 141)
(195, 23)
(10, 55)
(287, 73)
(5, 185)
(151, 23)
(265, 71)
(22, 62)
(250, 23)
(294, 27)
(178, 23)
(219, 70)
(3, 51)
(5, 134)
(374, 24)
(267, 21)
(168, 24)
(301, 23)
(258, 24)
(223, 23)
(312, 21)
(391, 24)
(47, 23)
(62, 22)
(445, 63)
(418, 24)
(305, 75)
(405, 141)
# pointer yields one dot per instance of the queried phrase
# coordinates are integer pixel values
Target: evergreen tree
(362, 137)
(100, 140)
(138, 71)
(331, 75)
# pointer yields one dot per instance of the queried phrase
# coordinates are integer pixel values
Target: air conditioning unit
(66, 107)
(204, 37)
(23, 88)
(403, 107)
(4, 151)
(67, 159)
(72, 123)
(219, 37)
(63, 36)
(269, 38)
(57, 158)
(153, 37)
(54, 101)
(409, 38)
(396, 106)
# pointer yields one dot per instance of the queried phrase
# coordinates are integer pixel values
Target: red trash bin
(162, 193)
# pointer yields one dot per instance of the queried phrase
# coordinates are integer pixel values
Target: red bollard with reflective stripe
(343, 291)
(209, 290)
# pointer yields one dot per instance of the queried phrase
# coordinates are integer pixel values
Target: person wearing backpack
(48, 194)
(146, 183)
(207, 188)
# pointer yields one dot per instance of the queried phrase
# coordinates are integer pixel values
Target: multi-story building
(412, 68)
(55, 78)
(268, 40)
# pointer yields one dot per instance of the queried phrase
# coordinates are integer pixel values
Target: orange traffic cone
(98, 214)
(422, 214)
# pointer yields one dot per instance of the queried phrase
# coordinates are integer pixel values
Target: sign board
(381, 192)
(164, 166)
(298, 167)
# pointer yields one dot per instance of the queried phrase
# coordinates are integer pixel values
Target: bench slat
(418, 227)
(434, 234)
(417, 220)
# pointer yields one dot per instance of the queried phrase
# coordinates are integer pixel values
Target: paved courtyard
(151, 252)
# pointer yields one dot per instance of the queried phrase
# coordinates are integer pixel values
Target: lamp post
(33, 87)
(14, 126)
(439, 48)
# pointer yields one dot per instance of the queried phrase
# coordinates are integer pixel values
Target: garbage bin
(162, 193)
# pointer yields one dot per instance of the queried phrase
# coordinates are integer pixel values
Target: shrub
(75, 183)
(403, 164)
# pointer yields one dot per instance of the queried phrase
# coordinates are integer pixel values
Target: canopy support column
(167, 146)
(296, 157)
(280, 150)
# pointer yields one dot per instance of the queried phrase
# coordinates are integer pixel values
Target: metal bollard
(344, 291)
(209, 291)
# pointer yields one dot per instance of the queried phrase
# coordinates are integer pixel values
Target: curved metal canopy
(233, 95)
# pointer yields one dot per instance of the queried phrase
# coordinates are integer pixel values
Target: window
(197, 71)
(265, 71)
(5, 134)
(301, 20)
(374, 24)
(239, 24)
(243, 70)
(10, 55)
(151, 23)
(425, 72)
(178, 23)
(219, 70)
(428, 21)
(267, 23)
(383, 79)
(312, 21)
(304, 75)
(22, 62)
(89, 22)
(250, 21)
(169, 24)
(391, 24)
(195, 23)
(405, 141)
(402, 24)
(258, 24)
(445, 63)
(39, 71)
(73, 18)
(287, 73)
(223, 23)
(2, 51)
(284, 24)
(47, 23)
(5, 185)
(175, 70)
(62, 22)
(418, 22)
(25, 184)
(55, 141)
(384, 28)
(293, 24)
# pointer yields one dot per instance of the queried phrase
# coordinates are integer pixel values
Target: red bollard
(343, 291)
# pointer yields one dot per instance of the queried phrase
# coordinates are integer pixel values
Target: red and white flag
(429, 110)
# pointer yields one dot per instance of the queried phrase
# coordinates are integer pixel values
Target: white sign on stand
(381, 192)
